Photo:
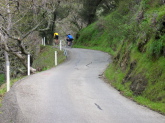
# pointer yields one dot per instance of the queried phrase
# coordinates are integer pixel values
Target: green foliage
(106, 6)
(145, 4)
(92, 9)
(2, 79)
(45, 60)
(116, 25)
(160, 12)
(153, 97)
(2, 92)
(123, 7)
(87, 34)
(157, 106)
(155, 48)
(3, 89)
(155, 90)
(116, 80)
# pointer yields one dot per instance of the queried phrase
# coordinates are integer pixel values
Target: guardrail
(61, 47)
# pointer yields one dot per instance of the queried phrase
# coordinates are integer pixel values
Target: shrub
(2, 79)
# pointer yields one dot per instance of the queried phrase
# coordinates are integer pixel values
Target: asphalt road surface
(73, 92)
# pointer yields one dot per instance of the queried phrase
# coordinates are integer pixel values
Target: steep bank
(135, 35)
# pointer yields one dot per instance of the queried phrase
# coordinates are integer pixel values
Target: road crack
(98, 106)
(89, 64)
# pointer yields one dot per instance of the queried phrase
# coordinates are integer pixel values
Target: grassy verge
(44, 61)
(46, 58)
(115, 81)
(3, 88)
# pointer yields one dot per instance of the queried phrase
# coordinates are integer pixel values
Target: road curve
(73, 93)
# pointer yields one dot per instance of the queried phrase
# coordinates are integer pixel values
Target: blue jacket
(70, 36)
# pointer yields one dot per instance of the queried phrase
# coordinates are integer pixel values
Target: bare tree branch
(20, 37)
(32, 30)
(3, 17)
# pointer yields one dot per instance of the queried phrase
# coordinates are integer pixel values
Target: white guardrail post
(44, 41)
(55, 58)
(60, 45)
(28, 64)
(8, 75)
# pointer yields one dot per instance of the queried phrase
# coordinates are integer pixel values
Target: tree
(22, 20)
(53, 11)
(91, 7)
(12, 31)
(106, 6)
(89, 10)
(75, 19)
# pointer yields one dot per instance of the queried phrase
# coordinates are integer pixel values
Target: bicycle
(69, 43)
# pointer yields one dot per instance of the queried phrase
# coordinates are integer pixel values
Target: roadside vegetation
(44, 61)
(134, 34)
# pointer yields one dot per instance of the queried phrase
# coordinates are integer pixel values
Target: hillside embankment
(134, 34)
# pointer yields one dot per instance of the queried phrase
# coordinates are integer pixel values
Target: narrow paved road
(73, 93)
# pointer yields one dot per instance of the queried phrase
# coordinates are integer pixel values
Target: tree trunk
(53, 26)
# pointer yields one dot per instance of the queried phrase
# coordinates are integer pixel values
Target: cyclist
(56, 38)
(69, 39)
